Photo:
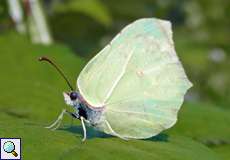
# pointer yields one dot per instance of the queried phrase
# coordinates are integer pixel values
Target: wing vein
(119, 77)
(140, 113)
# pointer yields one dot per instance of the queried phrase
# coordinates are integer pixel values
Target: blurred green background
(31, 93)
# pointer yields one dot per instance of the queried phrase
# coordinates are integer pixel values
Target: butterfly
(134, 87)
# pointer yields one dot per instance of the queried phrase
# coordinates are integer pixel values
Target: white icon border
(20, 148)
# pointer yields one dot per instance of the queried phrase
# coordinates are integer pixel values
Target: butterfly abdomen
(90, 114)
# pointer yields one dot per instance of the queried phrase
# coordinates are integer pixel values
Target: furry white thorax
(93, 116)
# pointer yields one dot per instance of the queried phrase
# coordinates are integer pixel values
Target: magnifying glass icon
(9, 147)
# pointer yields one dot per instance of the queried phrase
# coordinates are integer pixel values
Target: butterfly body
(92, 115)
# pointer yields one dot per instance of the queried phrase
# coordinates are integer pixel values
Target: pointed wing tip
(190, 84)
(163, 21)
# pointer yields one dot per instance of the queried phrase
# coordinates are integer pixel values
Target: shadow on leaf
(159, 138)
(91, 132)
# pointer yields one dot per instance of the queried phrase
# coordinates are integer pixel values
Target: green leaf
(32, 97)
(92, 8)
(204, 122)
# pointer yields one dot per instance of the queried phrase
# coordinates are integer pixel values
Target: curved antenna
(57, 68)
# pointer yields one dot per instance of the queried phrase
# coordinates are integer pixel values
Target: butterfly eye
(73, 96)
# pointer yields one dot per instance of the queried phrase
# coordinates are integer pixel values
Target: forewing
(103, 72)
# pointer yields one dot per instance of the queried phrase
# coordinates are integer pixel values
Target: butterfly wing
(102, 73)
(139, 80)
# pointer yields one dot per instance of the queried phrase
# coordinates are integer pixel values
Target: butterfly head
(73, 95)
(71, 98)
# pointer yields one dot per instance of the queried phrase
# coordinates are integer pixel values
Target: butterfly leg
(58, 121)
(114, 133)
(83, 127)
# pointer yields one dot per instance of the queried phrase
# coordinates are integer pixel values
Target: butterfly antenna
(57, 68)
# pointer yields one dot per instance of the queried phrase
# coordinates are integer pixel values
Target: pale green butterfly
(134, 87)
